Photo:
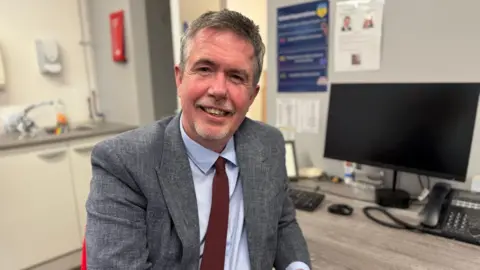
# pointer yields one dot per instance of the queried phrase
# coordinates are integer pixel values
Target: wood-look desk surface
(356, 243)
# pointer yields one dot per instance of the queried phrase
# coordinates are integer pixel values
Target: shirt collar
(205, 158)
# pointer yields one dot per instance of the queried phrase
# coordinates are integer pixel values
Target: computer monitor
(422, 128)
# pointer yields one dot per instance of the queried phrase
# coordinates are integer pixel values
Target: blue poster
(302, 40)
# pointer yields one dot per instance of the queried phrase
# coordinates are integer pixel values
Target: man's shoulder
(142, 139)
(263, 131)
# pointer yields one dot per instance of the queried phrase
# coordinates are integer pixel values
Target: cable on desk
(397, 223)
(420, 181)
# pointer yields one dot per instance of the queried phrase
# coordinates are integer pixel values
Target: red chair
(83, 265)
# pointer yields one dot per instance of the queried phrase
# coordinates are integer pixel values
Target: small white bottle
(349, 172)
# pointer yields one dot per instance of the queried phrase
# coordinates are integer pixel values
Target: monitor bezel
(397, 168)
(447, 176)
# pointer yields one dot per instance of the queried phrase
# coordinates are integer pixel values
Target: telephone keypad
(463, 221)
(461, 217)
(457, 222)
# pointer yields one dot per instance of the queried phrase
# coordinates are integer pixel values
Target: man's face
(216, 87)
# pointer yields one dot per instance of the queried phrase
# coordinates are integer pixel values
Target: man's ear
(178, 77)
(254, 94)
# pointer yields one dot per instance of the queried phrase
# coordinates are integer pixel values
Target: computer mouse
(340, 209)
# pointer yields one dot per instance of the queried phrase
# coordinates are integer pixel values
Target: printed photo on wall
(356, 59)
(368, 22)
(358, 35)
(347, 24)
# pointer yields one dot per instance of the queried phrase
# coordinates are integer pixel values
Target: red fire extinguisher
(118, 36)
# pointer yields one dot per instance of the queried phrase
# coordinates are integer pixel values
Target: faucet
(20, 122)
(93, 111)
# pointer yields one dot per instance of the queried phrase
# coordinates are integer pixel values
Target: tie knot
(220, 164)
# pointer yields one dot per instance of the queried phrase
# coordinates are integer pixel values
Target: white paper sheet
(290, 163)
(298, 116)
(308, 115)
(286, 113)
(358, 35)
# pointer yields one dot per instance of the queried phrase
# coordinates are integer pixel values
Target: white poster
(358, 35)
(308, 116)
(298, 116)
(286, 113)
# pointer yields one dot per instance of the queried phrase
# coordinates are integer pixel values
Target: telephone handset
(452, 213)
(438, 196)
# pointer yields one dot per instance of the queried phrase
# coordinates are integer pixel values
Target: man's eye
(237, 78)
(203, 70)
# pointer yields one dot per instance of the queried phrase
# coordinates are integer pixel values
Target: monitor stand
(392, 197)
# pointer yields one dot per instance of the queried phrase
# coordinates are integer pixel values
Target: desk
(357, 243)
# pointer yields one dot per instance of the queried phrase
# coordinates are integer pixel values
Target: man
(368, 22)
(206, 189)
(346, 24)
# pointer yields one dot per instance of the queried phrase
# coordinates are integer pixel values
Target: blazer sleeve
(291, 244)
(116, 230)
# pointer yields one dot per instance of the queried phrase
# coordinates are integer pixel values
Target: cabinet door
(80, 156)
(37, 207)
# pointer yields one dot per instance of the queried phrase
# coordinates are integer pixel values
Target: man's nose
(218, 88)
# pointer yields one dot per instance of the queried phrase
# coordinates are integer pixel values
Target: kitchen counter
(12, 141)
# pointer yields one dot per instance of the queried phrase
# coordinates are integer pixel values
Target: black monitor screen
(424, 128)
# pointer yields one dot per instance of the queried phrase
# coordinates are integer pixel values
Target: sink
(83, 128)
(79, 128)
(49, 130)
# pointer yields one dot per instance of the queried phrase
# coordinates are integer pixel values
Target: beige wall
(21, 22)
(254, 9)
(405, 58)
(188, 10)
(191, 9)
(257, 11)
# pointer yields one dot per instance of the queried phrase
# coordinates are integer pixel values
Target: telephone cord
(398, 224)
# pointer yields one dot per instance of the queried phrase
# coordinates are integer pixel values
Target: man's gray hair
(230, 21)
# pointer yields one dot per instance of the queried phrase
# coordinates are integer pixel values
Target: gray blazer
(142, 209)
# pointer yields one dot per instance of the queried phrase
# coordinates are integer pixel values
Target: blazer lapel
(252, 173)
(176, 181)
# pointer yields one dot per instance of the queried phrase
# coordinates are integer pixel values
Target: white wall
(21, 22)
(117, 82)
(433, 43)
(142, 89)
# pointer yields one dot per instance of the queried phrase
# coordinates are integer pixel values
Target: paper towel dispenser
(48, 56)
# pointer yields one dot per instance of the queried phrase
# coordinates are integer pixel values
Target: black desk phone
(452, 213)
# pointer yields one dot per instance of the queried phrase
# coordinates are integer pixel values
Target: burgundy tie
(216, 236)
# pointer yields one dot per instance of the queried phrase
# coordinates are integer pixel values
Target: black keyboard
(306, 200)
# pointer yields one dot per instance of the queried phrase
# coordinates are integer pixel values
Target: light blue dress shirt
(202, 162)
